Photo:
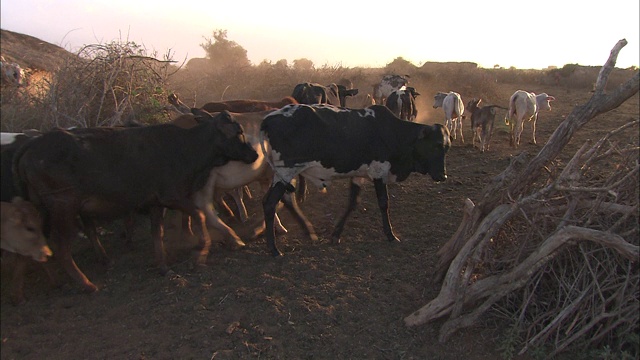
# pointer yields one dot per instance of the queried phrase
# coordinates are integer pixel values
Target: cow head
(412, 91)
(430, 151)
(438, 99)
(22, 230)
(229, 141)
(473, 104)
(545, 101)
(343, 92)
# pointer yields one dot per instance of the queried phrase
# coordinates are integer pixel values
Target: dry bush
(103, 85)
(588, 296)
(553, 245)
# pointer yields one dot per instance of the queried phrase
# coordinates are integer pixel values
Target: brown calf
(482, 119)
(21, 234)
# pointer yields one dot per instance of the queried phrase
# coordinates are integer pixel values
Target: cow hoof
(276, 253)
(313, 237)
(89, 288)
(236, 244)
(335, 240)
(394, 239)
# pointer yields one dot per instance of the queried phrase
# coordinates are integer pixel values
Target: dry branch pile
(553, 245)
(102, 85)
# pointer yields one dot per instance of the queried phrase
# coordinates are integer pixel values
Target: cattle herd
(58, 183)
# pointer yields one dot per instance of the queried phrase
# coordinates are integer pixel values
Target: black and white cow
(387, 85)
(323, 142)
(402, 103)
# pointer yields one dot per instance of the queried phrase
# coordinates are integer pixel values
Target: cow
(525, 105)
(244, 106)
(10, 143)
(332, 94)
(21, 231)
(21, 234)
(482, 119)
(105, 173)
(312, 93)
(402, 103)
(323, 142)
(12, 73)
(453, 107)
(235, 106)
(234, 175)
(387, 85)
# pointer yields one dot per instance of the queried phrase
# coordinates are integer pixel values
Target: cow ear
(550, 98)
(226, 124)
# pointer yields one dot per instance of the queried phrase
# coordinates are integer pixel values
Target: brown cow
(105, 173)
(232, 176)
(482, 119)
(236, 106)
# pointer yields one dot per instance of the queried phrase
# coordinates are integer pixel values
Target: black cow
(402, 103)
(332, 94)
(104, 173)
(11, 142)
(323, 142)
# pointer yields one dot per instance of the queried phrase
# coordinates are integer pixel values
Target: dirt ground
(319, 301)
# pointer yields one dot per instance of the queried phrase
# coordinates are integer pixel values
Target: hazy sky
(524, 34)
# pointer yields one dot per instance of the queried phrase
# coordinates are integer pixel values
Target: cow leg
(460, 124)
(64, 232)
(204, 201)
(450, 126)
(533, 128)
(129, 228)
(383, 203)
(519, 129)
(354, 199)
(222, 205)
(291, 204)
(269, 204)
(185, 226)
(91, 232)
(237, 195)
(18, 263)
(204, 245)
(486, 137)
(301, 189)
(156, 216)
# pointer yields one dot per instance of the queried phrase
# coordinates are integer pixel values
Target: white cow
(387, 85)
(453, 107)
(523, 105)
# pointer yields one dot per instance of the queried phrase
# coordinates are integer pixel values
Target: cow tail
(510, 114)
(264, 151)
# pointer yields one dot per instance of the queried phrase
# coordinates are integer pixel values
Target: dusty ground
(319, 301)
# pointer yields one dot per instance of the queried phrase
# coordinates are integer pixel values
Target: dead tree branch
(594, 201)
